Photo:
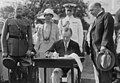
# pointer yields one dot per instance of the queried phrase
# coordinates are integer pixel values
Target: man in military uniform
(72, 22)
(16, 43)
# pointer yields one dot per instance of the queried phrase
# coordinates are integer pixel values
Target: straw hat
(48, 11)
(105, 60)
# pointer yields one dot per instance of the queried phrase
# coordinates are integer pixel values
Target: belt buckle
(20, 37)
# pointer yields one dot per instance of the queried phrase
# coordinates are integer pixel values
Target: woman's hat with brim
(48, 11)
(105, 60)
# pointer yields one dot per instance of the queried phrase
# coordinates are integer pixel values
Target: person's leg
(24, 64)
(105, 76)
(102, 76)
(48, 75)
(12, 76)
(56, 75)
(69, 76)
(96, 74)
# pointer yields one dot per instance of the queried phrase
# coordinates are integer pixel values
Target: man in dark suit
(64, 48)
(101, 38)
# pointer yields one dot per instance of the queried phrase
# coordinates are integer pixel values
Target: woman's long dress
(42, 46)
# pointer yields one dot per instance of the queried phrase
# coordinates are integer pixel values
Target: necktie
(65, 47)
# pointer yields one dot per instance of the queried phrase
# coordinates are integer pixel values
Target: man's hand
(66, 24)
(55, 55)
(4, 55)
(30, 53)
(103, 48)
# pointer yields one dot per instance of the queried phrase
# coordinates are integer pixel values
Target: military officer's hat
(69, 6)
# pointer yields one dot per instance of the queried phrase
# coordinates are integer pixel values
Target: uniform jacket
(16, 46)
(59, 47)
(102, 32)
(76, 26)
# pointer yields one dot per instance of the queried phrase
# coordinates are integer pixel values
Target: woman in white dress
(47, 34)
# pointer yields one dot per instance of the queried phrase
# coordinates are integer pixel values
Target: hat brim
(55, 17)
(98, 62)
(9, 63)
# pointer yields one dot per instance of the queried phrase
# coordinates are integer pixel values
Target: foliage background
(33, 7)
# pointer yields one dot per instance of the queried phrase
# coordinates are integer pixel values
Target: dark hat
(105, 60)
(9, 63)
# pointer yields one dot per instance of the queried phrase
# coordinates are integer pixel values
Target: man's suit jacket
(102, 32)
(59, 47)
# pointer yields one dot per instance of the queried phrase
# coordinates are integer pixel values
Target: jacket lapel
(69, 45)
(95, 21)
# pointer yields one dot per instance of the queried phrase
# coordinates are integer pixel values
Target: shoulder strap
(17, 24)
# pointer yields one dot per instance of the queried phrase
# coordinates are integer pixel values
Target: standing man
(73, 23)
(16, 41)
(101, 38)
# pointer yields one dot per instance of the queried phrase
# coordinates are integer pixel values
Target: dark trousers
(103, 76)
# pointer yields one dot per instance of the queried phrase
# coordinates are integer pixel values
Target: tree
(40, 5)
(5, 11)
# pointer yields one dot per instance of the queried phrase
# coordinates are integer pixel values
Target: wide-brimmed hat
(105, 60)
(9, 63)
(48, 11)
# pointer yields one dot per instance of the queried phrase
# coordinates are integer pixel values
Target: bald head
(95, 8)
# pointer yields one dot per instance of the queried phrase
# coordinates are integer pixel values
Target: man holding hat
(102, 44)
(73, 23)
(16, 44)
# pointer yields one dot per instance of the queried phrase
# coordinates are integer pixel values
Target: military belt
(16, 37)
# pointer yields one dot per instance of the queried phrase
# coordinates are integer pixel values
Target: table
(56, 63)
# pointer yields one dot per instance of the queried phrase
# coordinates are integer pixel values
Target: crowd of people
(19, 44)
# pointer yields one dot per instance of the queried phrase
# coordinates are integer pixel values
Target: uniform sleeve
(80, 34)
(77, 49)
(30, 39)
(60, 25)
(4, 37)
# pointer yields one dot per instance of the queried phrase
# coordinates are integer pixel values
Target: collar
(69, 17)
(99, 13)
(67, 43)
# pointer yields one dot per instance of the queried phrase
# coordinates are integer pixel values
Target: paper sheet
(77, 59)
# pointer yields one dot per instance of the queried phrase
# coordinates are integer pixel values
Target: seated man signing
(63, 48)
